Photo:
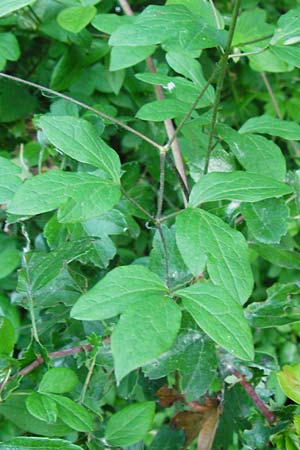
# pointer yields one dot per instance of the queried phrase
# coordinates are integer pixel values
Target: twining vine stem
(82, 105)
(220, 82)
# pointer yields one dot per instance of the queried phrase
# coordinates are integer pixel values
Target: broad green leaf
(119, 289)
(72, 414)
(255, 153)
(271, 125)
(14, 409)
(122, 57)
(194, 357)
(9, 47)
(9, 179)
(168, 439)
(78, 196)
(290, 55)
(130, 425)
(41, 407)
(162, 110)
(11, 312)
(79, 139)
(108, 23)
(30, 443)
(280, 308)
(178, 271)
(178, 87)
(267, 221)
(289, 380)
(288, 29)
(254, 20)
(238, 185)
(23, 105)
(267, 61)
(157, 24)
(201, 8)
(205, 240)
(9, 6)
(76, 18)
(58, 380)
(7, 337)
(220, 317)
(278, 255)
(146, 329)
(9, 255)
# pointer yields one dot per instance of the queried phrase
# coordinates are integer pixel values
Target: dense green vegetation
(150, 205)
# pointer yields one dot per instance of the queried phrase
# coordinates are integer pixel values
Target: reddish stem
(250, 390)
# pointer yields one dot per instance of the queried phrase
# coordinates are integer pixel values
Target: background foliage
(149, 278)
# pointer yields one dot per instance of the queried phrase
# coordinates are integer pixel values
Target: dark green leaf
(168, 439)
(41, 407)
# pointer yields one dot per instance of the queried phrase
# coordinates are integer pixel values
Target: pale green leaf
(9, 179)
(267, 221)
(288, 29)
(42, 407)
(130, 425)
(267, 61)
(79, 139)
(255, 153)
(289, 54)
(204, 239)
(254, 20)
(146, 329)
(119, 289)
(79, 196)
(7, 337)
(108, 23)
(220, 317)
(201, 8)
(76, 18)
(9, 47)
(9, 6)
(122, 57)
(289, 380)
(238, 185)
(157, 24)
(58, 380)
(38, 443)
(271, 125)
(72, 414)
(161, 110)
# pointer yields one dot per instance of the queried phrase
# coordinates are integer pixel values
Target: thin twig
(254, 41)
(88, 379)
(165, 250)
(250, 390)
(54, 355)
(83, 105)
(239, 55)
(215, 13)
(137, 205)
(160, 197)
(220, 82)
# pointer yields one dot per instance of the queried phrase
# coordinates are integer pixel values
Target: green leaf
(130, 425)
(162, 110)
(267, 61)
(254, 20)
(157, 24)
(41, 407)
(267, 221)
(9, 6)
(58, 380)
(271, 125)
(278, 255)
(108, 23)
(122, 57)
(7, 337)
(289, 380)
(76, 18)
(280, 308)
(168, 439)
(201, 8)
(9, 179)
(78, 196)
(288, 29)
(120, 288)
(238, 185)
(9, 47)
(29, 443)
(220, 317)
(255, 153)
(79, 139)
(203, 238)
(23, 105)
(72, 414)
(290, 55)
(194, 357)
(146, 329)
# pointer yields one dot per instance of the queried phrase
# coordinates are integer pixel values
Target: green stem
(220, 82)
(83, 105)
(165, 250)
(160, 197)
(88, 379)
(254, 41)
